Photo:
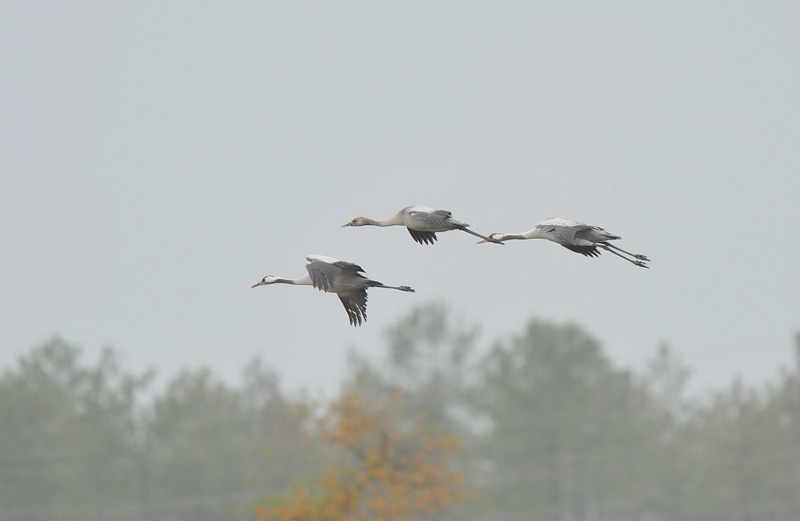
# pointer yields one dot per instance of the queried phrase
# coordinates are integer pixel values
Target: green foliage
(554, 430)
(63, 427)
(745, 441)
(207, 440)
(568, 428)
(78, 443)
(550, 429)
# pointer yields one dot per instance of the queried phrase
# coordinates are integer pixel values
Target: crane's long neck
(394, 220)
(511, 236)
(533, 234)
(305, 280)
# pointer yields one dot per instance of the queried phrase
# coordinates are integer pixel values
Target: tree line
(540, 425)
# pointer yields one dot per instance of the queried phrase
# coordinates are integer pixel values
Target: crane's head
(494, 237)
(269, 279)
(358, 221)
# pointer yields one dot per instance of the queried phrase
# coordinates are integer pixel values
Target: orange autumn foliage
(391, 469)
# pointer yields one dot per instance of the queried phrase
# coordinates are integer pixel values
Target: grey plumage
(346, 279)
(422, 222)
(576, 236)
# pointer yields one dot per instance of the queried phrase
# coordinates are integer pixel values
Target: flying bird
(340, 277)
(422, 222)
(578, 237)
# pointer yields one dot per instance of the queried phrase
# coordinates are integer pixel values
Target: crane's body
(576, 236)
(422, 223)
(336, 276)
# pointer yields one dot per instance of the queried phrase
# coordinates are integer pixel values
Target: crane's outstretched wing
(569, 231)
(422, 237)
(324, 270)
(440, 220)
(596, 234)
(430, 216)
(355, 303)
(564, 234)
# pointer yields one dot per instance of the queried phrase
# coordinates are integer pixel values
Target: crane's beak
(347, 224)
(481, 241)
(257, 284)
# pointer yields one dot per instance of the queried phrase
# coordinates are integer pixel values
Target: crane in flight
(422, 223)
(576, 236)
(336, 276)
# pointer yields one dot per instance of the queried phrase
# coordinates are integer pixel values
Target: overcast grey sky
(158, 158)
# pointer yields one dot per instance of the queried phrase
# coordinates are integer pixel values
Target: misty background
(157, 159)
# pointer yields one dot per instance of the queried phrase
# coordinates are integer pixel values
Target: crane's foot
(641, 257)
(641, 264)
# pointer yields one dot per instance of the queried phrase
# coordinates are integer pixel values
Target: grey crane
(422, 223)
(340, 277)
(576, 236)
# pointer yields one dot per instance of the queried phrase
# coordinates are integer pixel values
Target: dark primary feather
(422, 237)
(589, 251)
(349, 266)
(355, 303)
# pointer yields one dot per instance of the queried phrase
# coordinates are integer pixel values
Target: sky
(159, 158)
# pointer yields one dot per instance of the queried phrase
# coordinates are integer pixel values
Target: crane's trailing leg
(401, 288)
(634, 255)
(486, 239)
(632, 261)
